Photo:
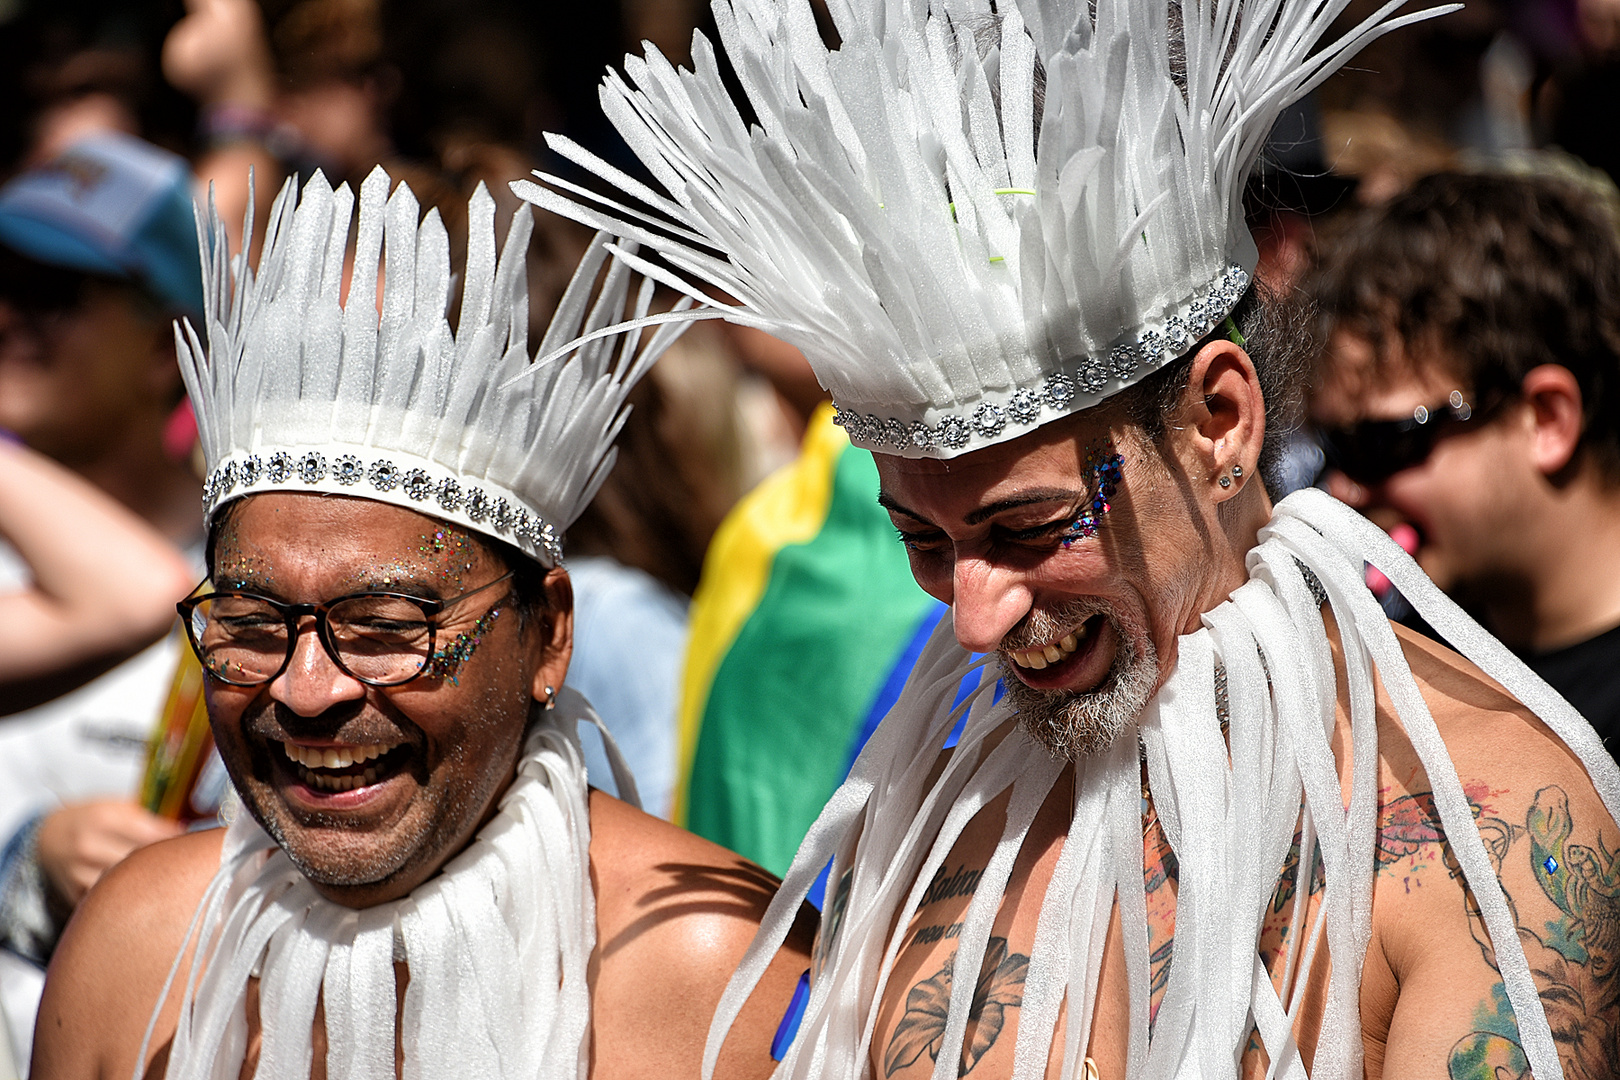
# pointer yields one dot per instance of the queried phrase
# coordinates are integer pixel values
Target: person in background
(1466, 401)
(103, 582)
(98, 253)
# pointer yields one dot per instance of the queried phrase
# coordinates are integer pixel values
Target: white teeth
(332, 757)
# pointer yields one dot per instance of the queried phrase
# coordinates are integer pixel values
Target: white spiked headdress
(957, 263)
(299, 391)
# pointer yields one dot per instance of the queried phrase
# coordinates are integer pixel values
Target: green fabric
(796, 685)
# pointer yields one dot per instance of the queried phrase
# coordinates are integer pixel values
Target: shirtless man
(985, 536)
(1007, 244)
(386, 687)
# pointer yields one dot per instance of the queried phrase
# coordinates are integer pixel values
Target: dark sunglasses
(1372, 451)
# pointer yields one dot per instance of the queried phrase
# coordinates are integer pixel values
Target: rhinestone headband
(299, 390)
(1080, 384)
(396, 479)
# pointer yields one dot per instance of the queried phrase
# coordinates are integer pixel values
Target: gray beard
(1070, 724)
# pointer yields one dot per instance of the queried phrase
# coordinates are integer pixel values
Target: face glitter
(1104, 466)
(454, 543)
(446, 662)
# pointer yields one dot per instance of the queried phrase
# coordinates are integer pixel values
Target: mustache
(1042, 626)
(355, 723)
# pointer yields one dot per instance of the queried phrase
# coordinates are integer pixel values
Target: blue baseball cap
(114, 205)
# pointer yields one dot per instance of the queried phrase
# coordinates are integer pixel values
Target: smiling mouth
(335, 769)
(1042, 656)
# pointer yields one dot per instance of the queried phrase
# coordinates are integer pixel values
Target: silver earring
(1237, 471)
(551, 699)
(1225, 481)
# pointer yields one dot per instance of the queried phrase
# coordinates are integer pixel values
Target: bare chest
(912, 1018)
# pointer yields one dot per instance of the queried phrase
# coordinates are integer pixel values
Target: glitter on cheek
(1104, 465)
(446, 662)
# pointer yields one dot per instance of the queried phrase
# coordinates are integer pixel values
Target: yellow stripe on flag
(788, 507)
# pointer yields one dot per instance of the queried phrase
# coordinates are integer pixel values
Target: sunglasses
(1372, 451)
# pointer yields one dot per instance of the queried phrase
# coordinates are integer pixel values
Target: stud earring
(551, 699)
(1237, 472)
(1225, 481)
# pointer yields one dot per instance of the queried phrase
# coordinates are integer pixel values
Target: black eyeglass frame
(291, 615)
(1371, 451)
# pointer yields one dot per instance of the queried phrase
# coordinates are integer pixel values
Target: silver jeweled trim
(1123, 363)
(384, 476)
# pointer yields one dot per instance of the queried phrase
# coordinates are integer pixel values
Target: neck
(1236, 530)
(1561, 587)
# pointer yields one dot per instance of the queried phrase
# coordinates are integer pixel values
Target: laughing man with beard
(1226, 816)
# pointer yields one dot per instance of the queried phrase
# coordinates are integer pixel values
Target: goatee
(1074, 724)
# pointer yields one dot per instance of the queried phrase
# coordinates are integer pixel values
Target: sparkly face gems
(446, 662)
(1103, 466)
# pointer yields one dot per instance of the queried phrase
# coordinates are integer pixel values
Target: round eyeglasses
(378, 638)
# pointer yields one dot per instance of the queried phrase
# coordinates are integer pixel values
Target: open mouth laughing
(1042, 656)
(1076, 659)
(340, 769)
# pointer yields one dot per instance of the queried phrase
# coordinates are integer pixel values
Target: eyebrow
(265, 587)
(1000, 506)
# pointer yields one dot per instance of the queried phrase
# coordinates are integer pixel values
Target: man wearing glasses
(1466, 404)
(418, 880)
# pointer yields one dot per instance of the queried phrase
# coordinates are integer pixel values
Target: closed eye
(918, 541)
(1040, 532)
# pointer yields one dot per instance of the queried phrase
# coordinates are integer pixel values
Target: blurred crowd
(1445, 211)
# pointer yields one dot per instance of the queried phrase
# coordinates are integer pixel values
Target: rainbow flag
(803, 628)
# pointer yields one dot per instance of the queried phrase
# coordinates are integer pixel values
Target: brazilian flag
(803, 628)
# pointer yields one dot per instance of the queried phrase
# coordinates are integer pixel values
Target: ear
(553, 638)
(1222, 420)
(1555, 406)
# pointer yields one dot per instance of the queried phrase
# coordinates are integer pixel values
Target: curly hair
(1489, 276)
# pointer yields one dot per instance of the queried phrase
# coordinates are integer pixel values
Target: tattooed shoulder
(1574, 955)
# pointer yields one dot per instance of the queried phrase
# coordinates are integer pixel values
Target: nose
(987, 601)
(311, 682)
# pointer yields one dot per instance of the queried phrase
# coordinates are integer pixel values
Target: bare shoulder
(1556, 853)
(1487, 731)
(109, 968)
(674, 915)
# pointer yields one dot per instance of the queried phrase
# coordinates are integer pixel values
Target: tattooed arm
(1431, 968)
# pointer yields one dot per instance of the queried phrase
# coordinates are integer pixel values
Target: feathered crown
(960, 257)
(298, 391)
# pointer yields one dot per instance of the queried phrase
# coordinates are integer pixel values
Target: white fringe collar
(1229, 810)
(497, 946)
